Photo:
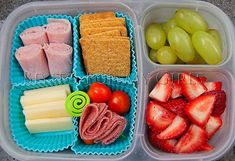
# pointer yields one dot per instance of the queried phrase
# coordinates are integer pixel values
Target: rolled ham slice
(59, 56)
(32, 60)
(99, 124)
(34, 35)
(59, 31)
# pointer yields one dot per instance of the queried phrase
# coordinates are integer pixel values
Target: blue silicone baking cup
(123, 143)
(16, 72)
(41, 142)
(79, 70)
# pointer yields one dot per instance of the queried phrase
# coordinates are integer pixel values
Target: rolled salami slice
(116, 126)
(59, 31)
(59, 56)
(32, 60)
(34, 35)
(99, 124)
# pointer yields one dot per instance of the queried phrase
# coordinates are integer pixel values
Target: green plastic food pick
(76, 102)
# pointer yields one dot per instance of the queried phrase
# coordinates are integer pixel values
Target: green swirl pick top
(76, 102)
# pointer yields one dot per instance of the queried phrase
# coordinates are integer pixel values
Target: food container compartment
(124, 142)
(40, 142)
(79, 69)
(216, 18)
(16, 72)
(221, 141)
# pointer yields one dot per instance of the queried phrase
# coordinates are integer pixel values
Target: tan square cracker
(108, 33)
(95, 16)
(91, 31)
(103, 23)
(106, 56)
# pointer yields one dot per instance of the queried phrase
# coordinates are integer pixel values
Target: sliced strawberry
(158, 117)
(213, 125)
(192, 140)
(164, 145)
(202, 79)
(163, 89)
(176, 105)
(191, 87)
(213, 86)
(220, 102)
(206, 147)
(175, 129)
(199, 109)
(176, 91)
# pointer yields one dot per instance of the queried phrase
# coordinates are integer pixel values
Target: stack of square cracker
(105, 45)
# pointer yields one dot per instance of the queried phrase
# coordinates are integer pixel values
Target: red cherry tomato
(119, 102)
(99, 93)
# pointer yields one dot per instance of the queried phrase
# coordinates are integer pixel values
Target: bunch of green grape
(185, 38)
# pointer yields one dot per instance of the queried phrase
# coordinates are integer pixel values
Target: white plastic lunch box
(141, 14)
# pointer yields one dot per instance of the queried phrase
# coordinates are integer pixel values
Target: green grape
(171, 23)
(216, 35)
(197, 60)
(155, 36)
(165, 55)
(181, 42)
(153, 55)
(207, 47)
(190, 21)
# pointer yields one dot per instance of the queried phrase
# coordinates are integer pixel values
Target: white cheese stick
(42, 98)
(49, 125)
(48, 90)
(52, 110)
(45, 105)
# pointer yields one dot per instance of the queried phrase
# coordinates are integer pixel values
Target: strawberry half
(199, 109)
(202, 79)
(191, 87)
(176, 105)
(174, 130)
(213, 125)
(206, 147)
(163, 89)
(176, 91)
(158, 117)
(164, 145)
(213, 86)
(192, 140)
(220, 102)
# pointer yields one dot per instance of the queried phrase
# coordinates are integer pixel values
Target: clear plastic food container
(141, 13)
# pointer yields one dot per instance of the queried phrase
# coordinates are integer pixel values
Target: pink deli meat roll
(34, 35)
(99, 124)
(59, 56)
(59, 31)
(32, 60)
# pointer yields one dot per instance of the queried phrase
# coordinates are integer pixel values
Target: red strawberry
(176, 105)
(176, 91)
(206, 147)
(220, 102)
(158, 117)
(202, 79)
(213, 125)
(175, 129)
(164, 145)
(163, 89)
(192, 140)
(199, 109)
(191, 87)
(213, 86)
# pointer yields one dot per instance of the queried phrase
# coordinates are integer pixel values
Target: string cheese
(51, 110)
(45, 105)
(58, 88)
(42, 98)
(49, 125)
